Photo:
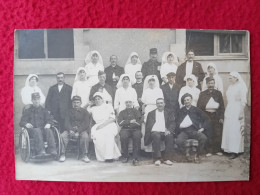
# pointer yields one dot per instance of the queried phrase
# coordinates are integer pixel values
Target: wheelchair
(27, 148)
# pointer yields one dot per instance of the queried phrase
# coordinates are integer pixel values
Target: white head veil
(240, 80)
(89, 55)
(28, 79)
(214, 66)
(165, 56)
(131, 55)
(146, 81)
(77, 74)
(120, 81)
(191, 76)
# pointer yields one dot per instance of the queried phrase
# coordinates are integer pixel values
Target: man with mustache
(211, 102)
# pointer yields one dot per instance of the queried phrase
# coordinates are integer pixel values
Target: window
(216, 43)
(45, 44)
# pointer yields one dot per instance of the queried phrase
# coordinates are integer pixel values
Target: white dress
(131, 69)
(104, 139)
(122, 95)
(232, 140)
(167, 68)
(195, 92)
(92, 72)
(82, 89)
(26, 94)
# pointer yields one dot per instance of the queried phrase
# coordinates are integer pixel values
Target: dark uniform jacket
(198, 117)
(151, 68)
(96, 87)
(78, 120)
(128, 114)
(58, 103)
(139, 89)
(118, 70)
(171, 97)
(181, 73)
(37, 116)
(217, 96)
(170, 124)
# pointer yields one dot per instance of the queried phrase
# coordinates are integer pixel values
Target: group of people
(157, 105)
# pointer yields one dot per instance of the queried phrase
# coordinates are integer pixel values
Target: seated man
(160, 126)
(37, 121)
(129, 120)
(77, 126)
(191, 124)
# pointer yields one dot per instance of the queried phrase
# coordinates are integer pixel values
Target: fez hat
(35, 95)
(153, 50)
(184, 96)
(76, 98)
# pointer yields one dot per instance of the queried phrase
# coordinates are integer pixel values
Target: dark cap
(171, 74)
(208, 79)
(76, 98)
(153, 50)
(35, 95)
(101, 73)
(184, 96)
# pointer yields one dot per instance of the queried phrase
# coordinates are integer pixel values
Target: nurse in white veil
(133, 64)
(234, 118)
(31, 87)
(94, 63)
(169, 64)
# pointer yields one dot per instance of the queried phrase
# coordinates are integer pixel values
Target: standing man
(37, 121)
(190, 67)
(130, 121)
(211, 101)
(152, 66)
(113, 72)
(138, 86)
(171, 94)
(192, 123)
(160, 126)
(77, 127)
(103, 87)
(58, 100)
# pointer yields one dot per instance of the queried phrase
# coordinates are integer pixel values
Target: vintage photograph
(132, 105)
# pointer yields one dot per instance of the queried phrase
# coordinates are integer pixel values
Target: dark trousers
(157, 138)
(136, 135)
(38, 141)
(191, 133)
(83, 141)
(215, 136)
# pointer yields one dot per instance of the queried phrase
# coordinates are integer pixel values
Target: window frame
(45, 45)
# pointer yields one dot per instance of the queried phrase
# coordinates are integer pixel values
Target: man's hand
(167, 132)
(77, 134)
(47, 126)
(116, 78)
(201, 130)
(221, 121)
(29, 125)
(137, 107)
(241, 116)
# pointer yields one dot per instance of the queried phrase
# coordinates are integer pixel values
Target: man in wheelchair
(38, 121)
(77, 128)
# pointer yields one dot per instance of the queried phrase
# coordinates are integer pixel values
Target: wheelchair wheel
(57, 138)
(24, 145)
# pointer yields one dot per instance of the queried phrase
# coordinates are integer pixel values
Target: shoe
(62, 158)
(136, 162)
(197, 160)
(124, 160)
(208, 155)
(233, 156)
(157, 163)
(109, 160)
(85, 159)
(53, 153)
(168, 162)
(219, 153)
(42, 153)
